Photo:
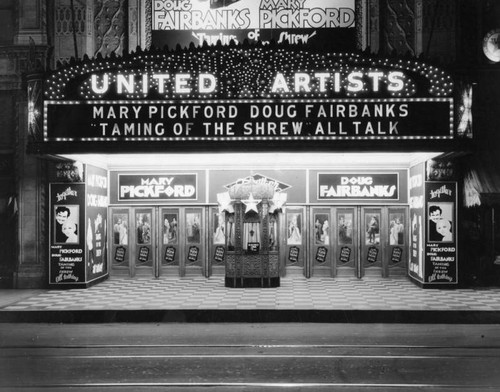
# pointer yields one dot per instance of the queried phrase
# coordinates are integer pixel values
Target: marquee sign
(157, 187)
(247, 93)
(294, 21)
(278, 186)
(358, 186)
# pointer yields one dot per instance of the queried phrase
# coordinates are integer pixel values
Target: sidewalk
(297, 299)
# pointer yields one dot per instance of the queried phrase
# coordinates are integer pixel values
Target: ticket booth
(251, 214)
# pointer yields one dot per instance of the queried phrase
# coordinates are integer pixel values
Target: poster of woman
(396, 229)
(219, 229)
(294, 228)
(120, 229)
(193, 220)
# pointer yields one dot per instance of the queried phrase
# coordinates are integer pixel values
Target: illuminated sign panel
(238, 120)
(169, 186)
(358, 186)
(256, 178)
(247, 93)
(293, 21)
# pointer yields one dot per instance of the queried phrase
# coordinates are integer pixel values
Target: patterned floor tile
(294, 293)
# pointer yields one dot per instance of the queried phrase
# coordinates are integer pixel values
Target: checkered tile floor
(294, 293)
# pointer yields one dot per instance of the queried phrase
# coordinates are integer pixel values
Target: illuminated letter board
(264, 95)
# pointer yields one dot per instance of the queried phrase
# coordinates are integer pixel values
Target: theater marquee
(240, 93)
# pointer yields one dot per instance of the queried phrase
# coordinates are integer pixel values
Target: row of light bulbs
(235, 64)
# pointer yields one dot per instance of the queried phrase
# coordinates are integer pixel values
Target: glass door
(372, 239)
(321, 242)
(396, 259)
(143, 242)
(193, 257)
(169, 239)
(294, 241)
(120, 241)
(218, 242)
(346, 239)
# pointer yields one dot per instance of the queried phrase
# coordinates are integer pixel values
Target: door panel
(320, 255)
(193, 258)
(372, 239)
(397, 252)
(294, 241)
(143, 240)
(155, 241)
(169, 240)
(217, 242)
(346, 240)
(120, 241)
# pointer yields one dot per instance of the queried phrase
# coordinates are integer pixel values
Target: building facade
(253, 140)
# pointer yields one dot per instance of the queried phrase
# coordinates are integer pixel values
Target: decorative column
(110, 24)
(31, 191)
(401, 23)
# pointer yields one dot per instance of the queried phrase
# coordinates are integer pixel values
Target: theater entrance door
(358, 241)
(157, 241)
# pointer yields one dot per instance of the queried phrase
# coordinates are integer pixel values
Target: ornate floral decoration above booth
(245, 72)
(251, 195)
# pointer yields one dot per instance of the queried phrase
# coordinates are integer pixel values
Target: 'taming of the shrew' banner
(238, 120)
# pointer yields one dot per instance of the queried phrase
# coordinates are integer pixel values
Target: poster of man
(193, 227)
(345, 229)
(66, 224)
(170, 228)
(440, 222)
(143, 228)
(372, 229)
(322, 229)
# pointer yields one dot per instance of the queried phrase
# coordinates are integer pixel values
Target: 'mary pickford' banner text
(311, 22)
(259, 119)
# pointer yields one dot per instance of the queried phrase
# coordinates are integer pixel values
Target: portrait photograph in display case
(193, 222)
(66, 218)
(143, 227)
(396, 229)
(440, 222)
(322, 229)
(345, 228)
(120, 229)
(294, 225)
(372, 229)
(169, 228)
(219, 237)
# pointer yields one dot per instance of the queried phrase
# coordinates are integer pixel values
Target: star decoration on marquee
(225, 202)
(251, 203)
(277, 202)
